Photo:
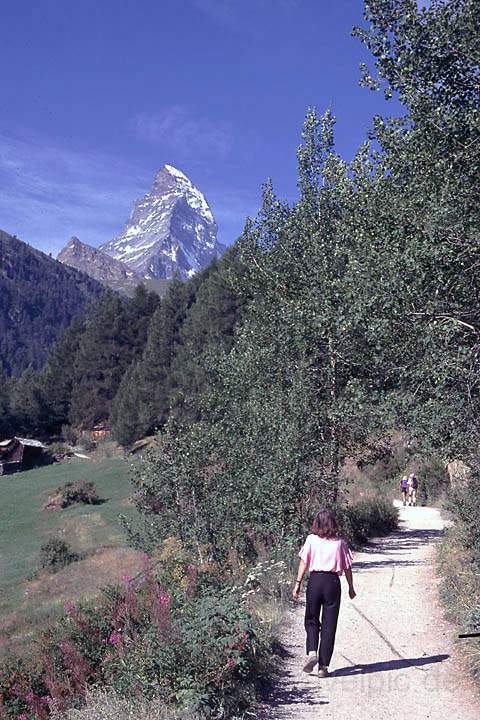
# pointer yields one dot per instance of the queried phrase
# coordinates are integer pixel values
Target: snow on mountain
(170, 230)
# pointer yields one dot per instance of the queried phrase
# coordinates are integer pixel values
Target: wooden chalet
(19, 454)
(102, 431)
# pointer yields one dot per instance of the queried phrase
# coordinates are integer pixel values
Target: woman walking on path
(412, 489)
(326, 556)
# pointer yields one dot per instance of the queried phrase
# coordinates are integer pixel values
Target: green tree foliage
(114, 336)
(5, 419)
(208, 329)
(143, 400)
(363, 304)
(27, 407)
(427, 210)
(286, 404)
(194, 321)
(57, 377)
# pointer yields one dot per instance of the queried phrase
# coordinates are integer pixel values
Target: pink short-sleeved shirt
(327, 555)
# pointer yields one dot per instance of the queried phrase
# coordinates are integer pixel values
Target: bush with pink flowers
(193, 647)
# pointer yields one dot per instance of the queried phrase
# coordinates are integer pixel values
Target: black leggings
(323, 594)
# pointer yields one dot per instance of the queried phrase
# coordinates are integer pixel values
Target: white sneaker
(310, 662)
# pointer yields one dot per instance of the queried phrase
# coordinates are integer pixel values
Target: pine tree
(105, 352)
(57, 377)
(150, 381)
(27, 406)
(113, 338)
(207, 330)
(5, 419)
(139, 312)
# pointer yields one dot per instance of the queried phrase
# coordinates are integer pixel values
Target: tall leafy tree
(429, 214)
(363, 296)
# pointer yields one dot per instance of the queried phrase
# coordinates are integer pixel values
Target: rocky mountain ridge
(99, 266)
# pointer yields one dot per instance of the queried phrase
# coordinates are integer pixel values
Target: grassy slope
(25, 527)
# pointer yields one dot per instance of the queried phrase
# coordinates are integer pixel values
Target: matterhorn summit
(170, 230)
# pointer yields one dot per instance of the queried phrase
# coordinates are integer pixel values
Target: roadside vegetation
(459, 563)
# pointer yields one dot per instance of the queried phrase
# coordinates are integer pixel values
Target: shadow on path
(287, 690)
(372, 564)
(291, 695)
(389, 665)
(403, 541)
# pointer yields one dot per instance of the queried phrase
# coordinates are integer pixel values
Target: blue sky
(96, 96)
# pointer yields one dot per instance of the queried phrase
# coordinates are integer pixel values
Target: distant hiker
(325, 556)
(404, 489)
(412, 489)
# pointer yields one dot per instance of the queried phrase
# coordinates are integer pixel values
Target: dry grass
(105, 705)
(43, 598)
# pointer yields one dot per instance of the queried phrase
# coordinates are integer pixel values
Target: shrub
(205, 656)
(80, 491)
(367, 518)
(59, 449)
(88, 444)
(460, 591)
(56, 554)
(463, 503)
(202, 654)
(433, 481)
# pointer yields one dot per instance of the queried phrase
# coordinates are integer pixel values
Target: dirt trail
(394, 655)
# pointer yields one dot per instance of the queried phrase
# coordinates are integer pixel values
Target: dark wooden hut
(21, 454)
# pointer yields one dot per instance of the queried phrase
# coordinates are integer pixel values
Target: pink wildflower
(69, 606)
(115, 638)
(126, 579)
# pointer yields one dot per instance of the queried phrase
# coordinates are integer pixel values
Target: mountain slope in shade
(99, 266)
(39, 297)
(170, 230)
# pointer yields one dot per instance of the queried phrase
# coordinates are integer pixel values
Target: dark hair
(325, 524)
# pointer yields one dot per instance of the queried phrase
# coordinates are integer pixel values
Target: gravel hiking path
(394, 654)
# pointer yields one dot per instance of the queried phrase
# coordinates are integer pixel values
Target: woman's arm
(302, 568)
(349, 577)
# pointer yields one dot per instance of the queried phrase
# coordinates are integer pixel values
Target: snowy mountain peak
(177, 173)
(171, 176)
(170, 230)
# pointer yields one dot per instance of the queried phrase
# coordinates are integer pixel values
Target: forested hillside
(134, 362)
(39, 297)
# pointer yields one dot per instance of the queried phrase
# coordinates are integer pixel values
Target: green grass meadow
(93, 531)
